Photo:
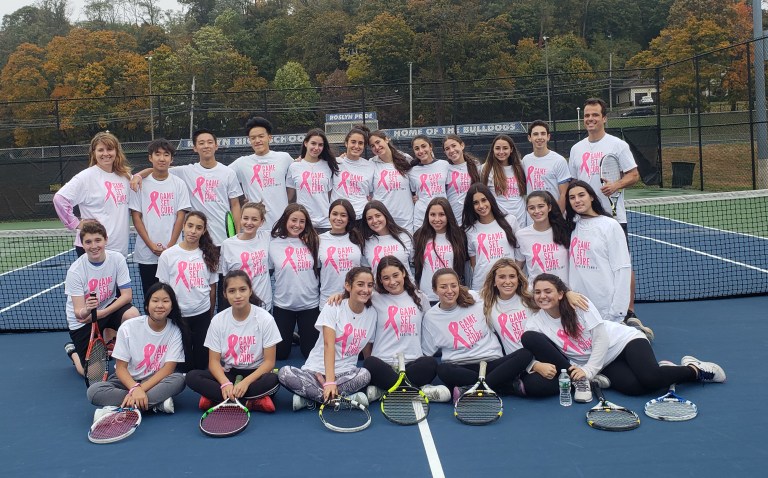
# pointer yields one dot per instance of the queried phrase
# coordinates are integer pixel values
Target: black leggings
(634, 372)
(420, 372)
(203, 382)
(147, 273)
(193, 332)
(287, 320)
(499, 375)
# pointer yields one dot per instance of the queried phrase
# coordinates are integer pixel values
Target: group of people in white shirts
(365, 258)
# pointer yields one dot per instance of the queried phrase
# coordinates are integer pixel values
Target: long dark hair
(470, 159)
(326, 154)
(597, 206)
(561, 233)
(469, 216)
(308, 236)
(175, 314)
(408, 285)
(355, 237)
(241, 274)
(453, 233)
(210, 251)
(350, 279)
(392, 227)
(493, 167)
(464, 298)
(568, 318)
(399, 160)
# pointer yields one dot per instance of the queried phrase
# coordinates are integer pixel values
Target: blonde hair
(120, 166)
(490, 294)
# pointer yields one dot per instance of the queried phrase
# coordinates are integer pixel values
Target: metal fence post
(698, 121)
(659, 162)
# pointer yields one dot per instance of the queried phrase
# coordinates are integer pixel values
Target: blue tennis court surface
(46, 418)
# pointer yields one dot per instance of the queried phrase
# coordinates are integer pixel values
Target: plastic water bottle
(564, 381)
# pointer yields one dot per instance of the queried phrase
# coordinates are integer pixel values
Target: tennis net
(683, 248)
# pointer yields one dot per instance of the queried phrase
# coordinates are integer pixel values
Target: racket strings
(671, 409)
(341, 415)
(115, 424)
(613, 418)
(226, 419)
(478, 408)
(399, 407)
(97, 362)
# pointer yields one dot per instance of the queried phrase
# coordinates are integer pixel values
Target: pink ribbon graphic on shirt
(289, 258)
(343, 183)
(376, 251)
(530, 176)
(574, 241)
(149, 349)
(256, 177)
(503, 319)
(244, 256)
(391, 312)
(305, 180)
(428, 249)
(455, 180)
(92, 284)
(231, 344)
(329, 259)
(181, 267)
(199, 189)
(481, 245)
(110, 193)
(348, 329)
(424, 187)
(383, 181)
(567, 342)
(153, 196)
(453, 328)
(584, 163)
(536, 259)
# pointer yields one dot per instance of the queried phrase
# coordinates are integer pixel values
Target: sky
(75, 6)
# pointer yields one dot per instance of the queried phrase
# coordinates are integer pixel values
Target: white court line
(36, 263)
(711, 256)
(724, 231)
(429, 444)
(31, 297)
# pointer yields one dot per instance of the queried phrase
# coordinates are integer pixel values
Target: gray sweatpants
(112, 392)
(304, 382)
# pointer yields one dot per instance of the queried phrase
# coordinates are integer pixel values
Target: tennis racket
(229, 224)
(96, 367)
(343, 415)
(609, 416)
(115, 426)
(403, 403)
(226, 419)
(610, 172)
(671, 407)
(479, 405)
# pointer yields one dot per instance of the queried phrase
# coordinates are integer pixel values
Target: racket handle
(483, 366)
(238, 379)
(400, 362)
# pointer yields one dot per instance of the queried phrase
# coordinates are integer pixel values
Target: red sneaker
(205, 403)
(262, 404)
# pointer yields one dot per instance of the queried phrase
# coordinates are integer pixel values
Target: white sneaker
(300, 402)
(373, 393)
(359, 397)
(708, 371)
(602, 381)
(165, 407)
(437, 393)
(667, 363)
(100, 412)
(583, 392)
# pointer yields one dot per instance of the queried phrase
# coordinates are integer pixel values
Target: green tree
(33, 24)
(297, 96)
(379, 51)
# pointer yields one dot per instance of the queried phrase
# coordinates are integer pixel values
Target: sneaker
(632, 321)
(359, 397)
(69, 348)
(457, 393)
(583, 392)
(111, 347)
(437, 393)
(300, 402)
(373, 393)
(602, 381)
(261, 404)
(518, 388)
(707, 371)
(100, 412)
(205, 403)
(165, 407)
(296, 338)
(667, 363)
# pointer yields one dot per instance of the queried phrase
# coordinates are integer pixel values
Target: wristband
(224, 385)
(135, 386)
(328, 383)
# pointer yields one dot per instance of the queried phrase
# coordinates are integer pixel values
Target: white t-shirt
(437, 254)
(337, 256)
(512, 201)
(190, 278)
(158, 202)
(542, 254)
(241, 343)
(102, 196)
(546, 173)
(488, 243)
(263, 180)
(250, 255)
(394, 190)
(398, 326)
(578, 351)
(209, 192)
(457, 184)
(105, 278)
(598, 251)
(427, 182)
(354, 182)
(462, 334)
(145, 350)
(353, 332)
(296, 286)
(508, 318)
(313, 184)
(378, 247)
(585, 165)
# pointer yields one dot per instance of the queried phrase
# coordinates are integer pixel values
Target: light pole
(546, 63)
(578, 119)
(151, 107)
(410, 93)
(610, 74)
